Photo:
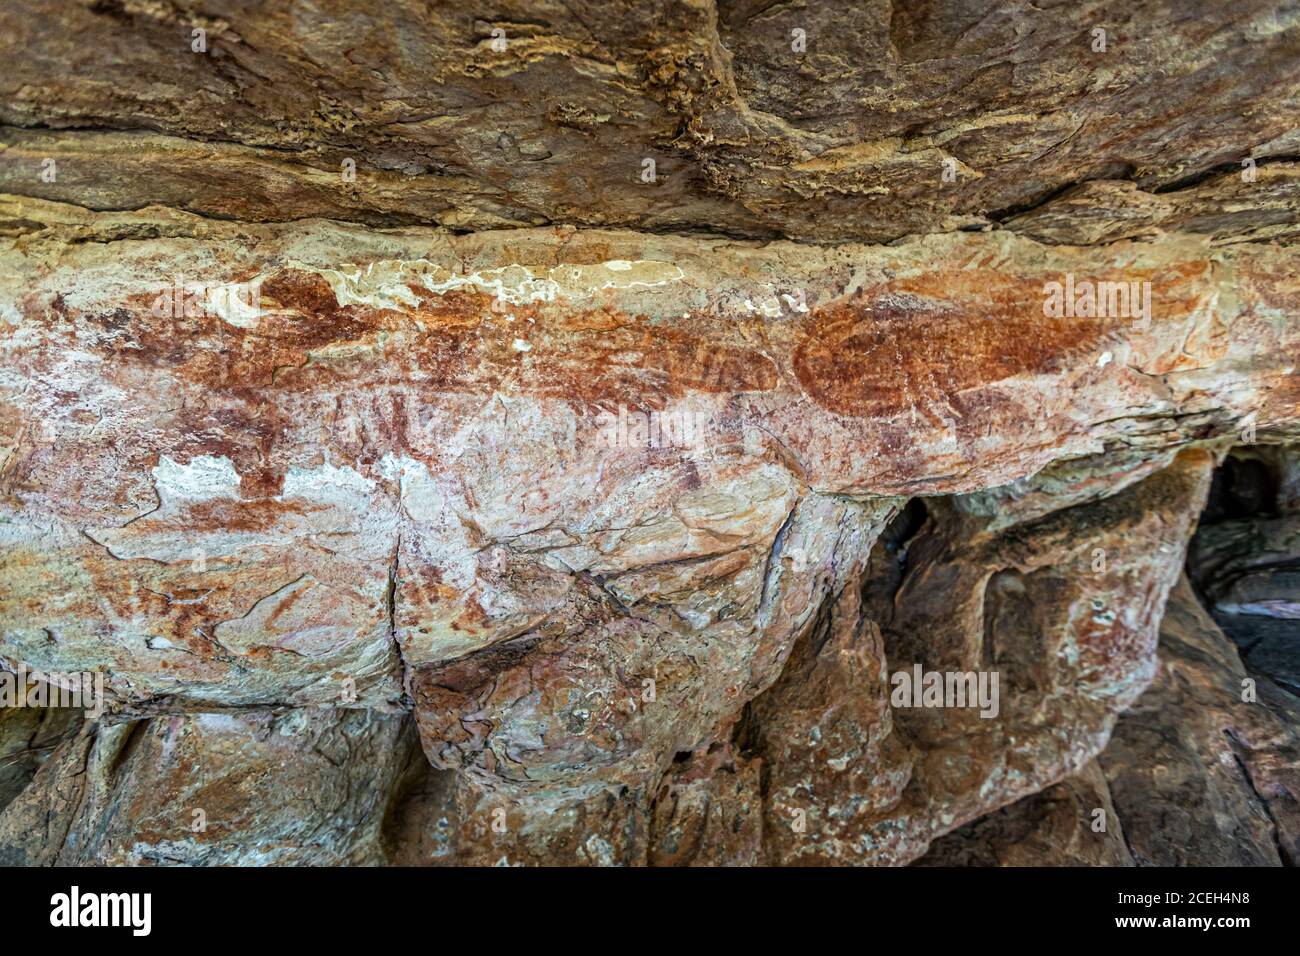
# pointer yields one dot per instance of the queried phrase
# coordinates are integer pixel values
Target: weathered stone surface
(1226, 206)
(1193, 776)
(27, 736)
(1051, 828)
(844, 137)
(305, 787)
(1071, 639)
(393, 483)
(709, 812)
(489, 435)
(553, 720)
(1248, 569)
(420, 827)
(247, 511)
(1199, 776)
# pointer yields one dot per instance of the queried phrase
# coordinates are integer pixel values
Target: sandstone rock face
(559, 433)
(1193, 776)
(27, 736)
(1072, 823)
(1248, 568)
(1198, 774)
(815, 121)
(1072, 643)
(311, 786)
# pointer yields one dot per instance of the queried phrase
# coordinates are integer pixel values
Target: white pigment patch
(326, 483)
(204, 478)
(238, 305)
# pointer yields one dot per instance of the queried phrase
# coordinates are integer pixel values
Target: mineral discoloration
(1073, 646)
(1194, 776)
(188, 790)
(542, 435)
(373, 494)
(846, 139)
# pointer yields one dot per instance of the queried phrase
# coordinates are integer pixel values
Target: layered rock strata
(559, 433)
(616, 501)
(1204, 770)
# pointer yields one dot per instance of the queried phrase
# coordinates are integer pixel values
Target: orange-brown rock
(582, 433)
(1204, 770)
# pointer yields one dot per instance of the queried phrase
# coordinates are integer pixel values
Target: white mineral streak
(385, 284)
(343, 486)
(201, 479)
